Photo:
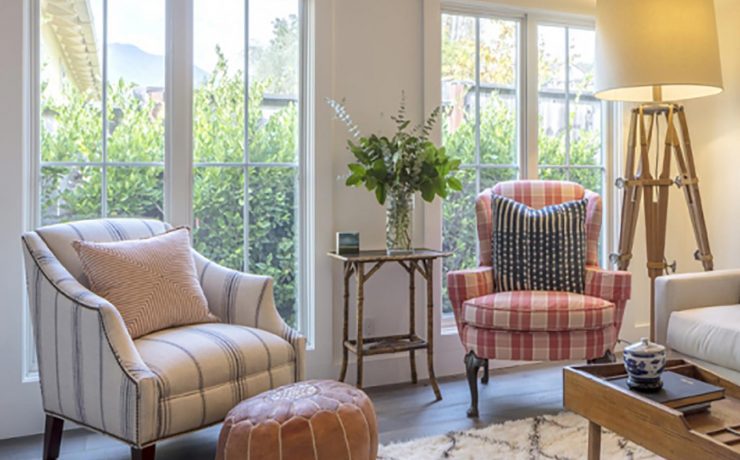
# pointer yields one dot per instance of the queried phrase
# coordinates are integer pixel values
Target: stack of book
(679, 392)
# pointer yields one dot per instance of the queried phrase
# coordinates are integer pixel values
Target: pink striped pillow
(152, 282)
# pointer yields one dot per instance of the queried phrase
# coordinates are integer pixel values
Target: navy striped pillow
(538, 249)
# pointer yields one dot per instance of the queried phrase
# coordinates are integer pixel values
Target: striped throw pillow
(152, 281)
(538, 249)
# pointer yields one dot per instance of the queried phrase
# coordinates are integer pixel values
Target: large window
(102, 118)
(103, 97)
(487, 124)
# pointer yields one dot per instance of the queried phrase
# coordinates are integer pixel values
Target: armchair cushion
(538, 311)
(538, 250)
(204, 370)
(152, 281)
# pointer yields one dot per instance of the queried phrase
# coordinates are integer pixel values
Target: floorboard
(404, 412)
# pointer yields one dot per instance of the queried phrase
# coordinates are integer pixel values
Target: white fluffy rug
(561, 437)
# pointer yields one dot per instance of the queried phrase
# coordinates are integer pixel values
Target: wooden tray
(714, 433)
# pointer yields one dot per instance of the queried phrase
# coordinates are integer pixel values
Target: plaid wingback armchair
(162, 384)
(536, 325)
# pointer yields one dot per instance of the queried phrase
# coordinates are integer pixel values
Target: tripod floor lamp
(656, 53)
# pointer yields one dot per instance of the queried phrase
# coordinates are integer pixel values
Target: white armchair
(163, 384)
(698, 316)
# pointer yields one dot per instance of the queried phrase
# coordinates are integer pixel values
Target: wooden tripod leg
(631, 199)
(691, 193)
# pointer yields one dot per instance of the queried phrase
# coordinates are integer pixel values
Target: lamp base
(639, 183)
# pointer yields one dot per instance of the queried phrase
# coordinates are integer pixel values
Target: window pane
(136, 50)
(458, 86)
(551, 59)
(582, 61)
(591, 179)
(585, 133)
(491, 176)
(218, 74)
(218, 210)
(273, 81)
(70, 93)
(498, 79)
(552, 122)
(459, 229)
(69, 193)
(135, 191)
(553, 173)
(273, 233)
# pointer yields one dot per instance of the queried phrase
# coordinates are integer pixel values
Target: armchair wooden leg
(484, 378)
(472, 365)
(52, 437)
(147, 453)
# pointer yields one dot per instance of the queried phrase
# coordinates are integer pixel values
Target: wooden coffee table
(714, 433)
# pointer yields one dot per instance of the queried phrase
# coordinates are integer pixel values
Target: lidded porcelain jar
(645, 362)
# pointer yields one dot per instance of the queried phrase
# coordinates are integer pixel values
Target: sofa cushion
(151, 281)
(538, 311)
(711, 334)
(203, 370)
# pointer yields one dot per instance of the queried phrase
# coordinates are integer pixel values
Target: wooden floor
(404, 411)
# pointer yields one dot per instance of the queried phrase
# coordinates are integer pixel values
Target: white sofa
(698, 317)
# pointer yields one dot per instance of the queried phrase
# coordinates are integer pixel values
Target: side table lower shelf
(388, 344)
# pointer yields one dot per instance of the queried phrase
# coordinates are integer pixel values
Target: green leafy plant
(405, 163)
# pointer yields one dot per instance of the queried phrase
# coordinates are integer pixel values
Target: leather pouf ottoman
(315, 419)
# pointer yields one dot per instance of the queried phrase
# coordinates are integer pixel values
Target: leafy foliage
(72, 133)
(404, 164)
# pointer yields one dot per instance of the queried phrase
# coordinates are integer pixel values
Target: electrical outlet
(368, 327)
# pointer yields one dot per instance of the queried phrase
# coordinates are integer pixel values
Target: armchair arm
(614, 286)
(463, 285)
(89, 369)
(247, 300)
(693, 290)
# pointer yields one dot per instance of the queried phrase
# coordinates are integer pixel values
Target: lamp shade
(656, 50)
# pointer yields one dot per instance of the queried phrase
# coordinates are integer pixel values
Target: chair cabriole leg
(472, 365)
(484, 378)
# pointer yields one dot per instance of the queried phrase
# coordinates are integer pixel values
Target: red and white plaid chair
(536, 325)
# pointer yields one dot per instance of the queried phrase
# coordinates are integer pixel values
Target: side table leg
(345, 329)
(429, 275)
(360, 273)
(412, 319)
(594, 441)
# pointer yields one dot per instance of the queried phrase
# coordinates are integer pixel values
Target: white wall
(715, 130)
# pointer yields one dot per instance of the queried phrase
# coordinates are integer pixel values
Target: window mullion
(179, 115)
(104, 114)
(531, 102)
(246, 137)
(567, 103)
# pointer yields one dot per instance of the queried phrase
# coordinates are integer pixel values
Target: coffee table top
(714, 433)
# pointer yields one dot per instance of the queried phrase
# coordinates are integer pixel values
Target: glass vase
(399, 222)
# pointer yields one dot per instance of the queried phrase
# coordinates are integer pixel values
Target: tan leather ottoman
(316, 419)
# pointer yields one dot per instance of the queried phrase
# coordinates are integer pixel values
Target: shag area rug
(558, 437)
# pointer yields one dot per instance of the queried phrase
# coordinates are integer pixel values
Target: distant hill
(135, 65)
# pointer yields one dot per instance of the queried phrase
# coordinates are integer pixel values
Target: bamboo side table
(418, 260)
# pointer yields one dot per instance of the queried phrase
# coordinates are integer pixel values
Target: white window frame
(528, 113)
(178, 154)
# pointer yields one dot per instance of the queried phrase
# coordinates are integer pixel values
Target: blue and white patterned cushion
(538, 249)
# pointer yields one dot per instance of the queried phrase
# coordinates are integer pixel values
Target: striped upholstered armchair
(536, 325)
(160, 385)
